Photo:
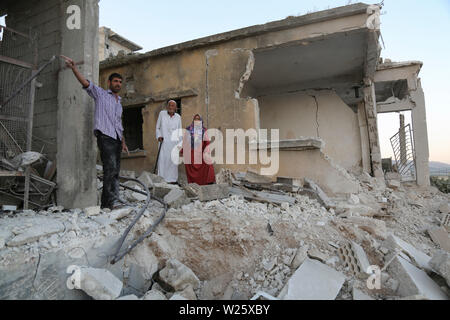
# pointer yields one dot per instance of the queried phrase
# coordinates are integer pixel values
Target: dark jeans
(110, 152)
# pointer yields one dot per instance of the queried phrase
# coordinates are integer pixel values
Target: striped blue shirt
(108, 111)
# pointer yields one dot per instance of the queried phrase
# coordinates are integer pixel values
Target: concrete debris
(444, 208)
(92, 211)
(446, 222)
(354, 258)
(393, 184)
(210, 192)
(176, 198)
(441, 264)
(120, 213)
(178, 276)
(409, 252)
(317, 255)
(300, 256)
(313, 281)
(440, 237)
(129, 297)
(100, 284)
(40, 228)
(253, 177)
(187, 293)
(322, 196)
(9, 208)
(160, 190)
(263, 296)
(128, 174)
(178, 296)
(353, 199)
(375, 227)
(154, 294)
(225, 176)
(414, 281)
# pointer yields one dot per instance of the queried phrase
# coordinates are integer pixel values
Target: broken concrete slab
(313, 281)
(440, 237)
(394, 243)
(176, 198)
(444, 208)
(100, 284)
(322, 196)
(300, 256)
(149, 179)
(92, 211)
(441, 265)
(42, 227)
(260, 295)
(375, 227)
(128, 174)
(414, 281)
(178, 276)
(393, 184)
(269, 197)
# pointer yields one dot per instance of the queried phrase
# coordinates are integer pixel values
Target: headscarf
(191, 130)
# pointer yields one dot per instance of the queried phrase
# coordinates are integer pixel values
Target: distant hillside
(436, 167)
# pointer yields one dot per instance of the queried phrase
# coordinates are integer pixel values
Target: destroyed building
(111, 44)
(327, 223)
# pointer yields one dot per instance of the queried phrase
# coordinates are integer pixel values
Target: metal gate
(405, 156)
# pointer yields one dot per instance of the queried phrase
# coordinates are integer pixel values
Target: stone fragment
(414, 281)
(300, 256)
(211, 192)
(393, 184)
(160, 190)
(154, 294)
(9, 208)
(100, 284)
(138, 196)
(92, 211)
(177, 296)
(176, 198)
(188, 293)
(178, 276)
(446, 222)
(42, 228)
(2, 243)
(353, 199)
(444, 208)
(317, 255)
(253, 177)
(322, 196)
(129, 297)
(128, 174)
(313, 281)
(149, 179)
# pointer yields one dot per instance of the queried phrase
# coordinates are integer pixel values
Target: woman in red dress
(195, 139)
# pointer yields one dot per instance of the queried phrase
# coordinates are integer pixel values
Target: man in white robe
(168, 123)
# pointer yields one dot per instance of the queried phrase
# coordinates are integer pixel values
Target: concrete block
(154, 295)
(414, 281)
(176, 198)
(359, 295)
(441, 264)
(41, 228)
(178, 276)
(440, 237)
(100, 284)
(355, 258)
(421, 259)
(120, 213)
(92, 211)
(313, 281)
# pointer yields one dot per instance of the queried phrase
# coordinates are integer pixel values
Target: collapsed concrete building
(317, 78)
(329, 218)
(111, 44)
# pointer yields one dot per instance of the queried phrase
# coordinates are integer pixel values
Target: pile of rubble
(246, 237)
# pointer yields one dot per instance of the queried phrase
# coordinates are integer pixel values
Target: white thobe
(165, 127)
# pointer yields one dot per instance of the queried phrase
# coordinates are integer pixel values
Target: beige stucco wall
(298, 115)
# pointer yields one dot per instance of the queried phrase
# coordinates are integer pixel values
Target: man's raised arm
(71, 65)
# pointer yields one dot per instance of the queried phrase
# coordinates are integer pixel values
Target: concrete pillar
(372, 125)
(420, 132)
(402, 136)
(364, 133)
(76, 156)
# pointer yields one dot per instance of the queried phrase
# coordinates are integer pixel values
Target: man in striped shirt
(108, 130)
